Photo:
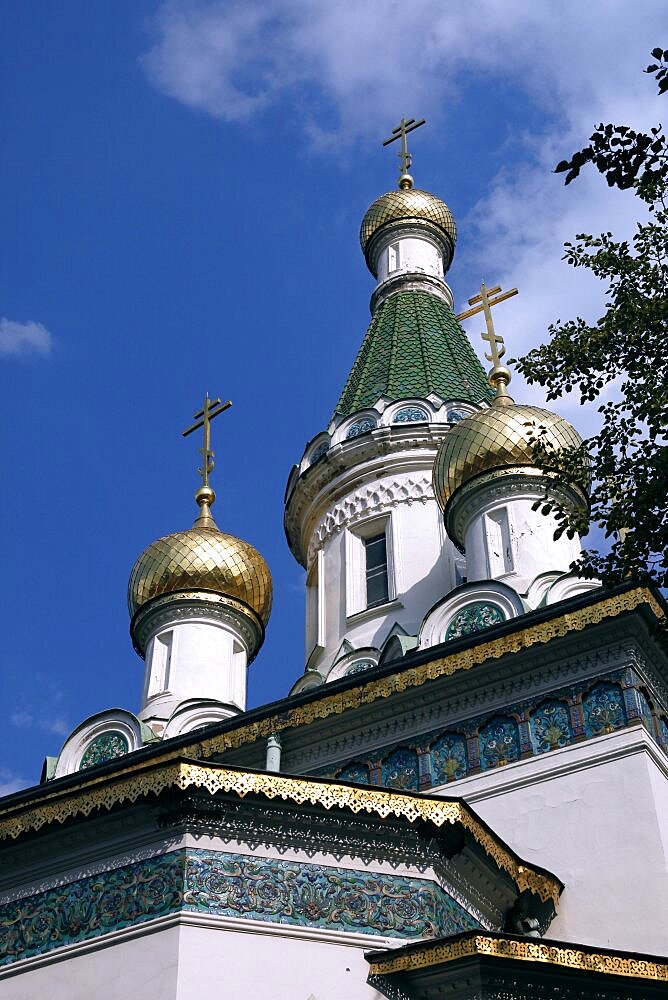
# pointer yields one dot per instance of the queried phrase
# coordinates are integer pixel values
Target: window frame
(356, 571)
(315, 605)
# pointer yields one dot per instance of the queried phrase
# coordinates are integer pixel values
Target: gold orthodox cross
(400, 132)
(483, 303)
(212, 409)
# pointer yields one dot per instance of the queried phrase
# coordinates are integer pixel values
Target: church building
(465, 792)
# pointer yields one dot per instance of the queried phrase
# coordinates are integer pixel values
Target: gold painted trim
(443, 666)
(524, 951)
(373, 690)
(300, 790)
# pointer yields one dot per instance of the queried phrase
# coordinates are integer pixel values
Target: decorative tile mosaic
(401, 770)
(645, 711)
(499, 743)
(232, 885)
(355, 772)
(662, 726)
(321, 450)
(318, 896)
(448, 758)
(604, 709)
(474, 618)
(91, 907)
(551, 726)
(480, 743)
(359, 666)
(103, 748)
(454, 416)
(409, 415)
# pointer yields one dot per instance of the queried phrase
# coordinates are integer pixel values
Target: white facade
(596, 814)
(420, 568)
(378, 484)
(505, 538)
(408, 252)
(198, 658)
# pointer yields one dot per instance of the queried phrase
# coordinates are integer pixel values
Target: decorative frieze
(525, 729)
(229, 885)
(371, 499)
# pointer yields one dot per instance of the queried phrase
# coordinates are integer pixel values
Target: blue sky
(182, 187)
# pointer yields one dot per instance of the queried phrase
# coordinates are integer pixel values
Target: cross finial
(400, 132)
(499, 377)
(205, 496)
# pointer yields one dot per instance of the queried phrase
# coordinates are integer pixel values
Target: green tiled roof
(413, 346)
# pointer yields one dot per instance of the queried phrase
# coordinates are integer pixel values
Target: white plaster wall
(200, 957)
(144, 968)
(229, 964)
(202, 664)
(534, 549)
(597, 816)
(422, 566)
(415, 255)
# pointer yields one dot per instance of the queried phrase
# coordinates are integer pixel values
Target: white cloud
(21, 719)
(25, 719)
(22, 339)
(234, 58)
(349, 68)
(10, 782)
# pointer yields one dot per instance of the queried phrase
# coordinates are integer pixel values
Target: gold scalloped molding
(525, 951)
(373, 690)
(385, 687)
(300, 790)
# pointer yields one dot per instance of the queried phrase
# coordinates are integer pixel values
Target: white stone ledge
(204, 920)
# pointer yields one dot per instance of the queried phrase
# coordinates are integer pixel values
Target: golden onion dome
(496, 438)
(408, 204)
(202, 558)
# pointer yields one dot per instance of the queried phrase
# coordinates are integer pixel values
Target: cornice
(384, 452)
(379, 727)
(202, 604)
(183, 775)
(326, 705)
(411, 281)
(502, 946)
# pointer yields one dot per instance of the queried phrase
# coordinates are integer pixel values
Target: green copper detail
(413, 346)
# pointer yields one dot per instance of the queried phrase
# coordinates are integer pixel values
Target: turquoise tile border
(231, 885)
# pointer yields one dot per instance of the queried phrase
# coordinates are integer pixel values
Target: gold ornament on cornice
(523, 951)
(213, 778)
(366, 693)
